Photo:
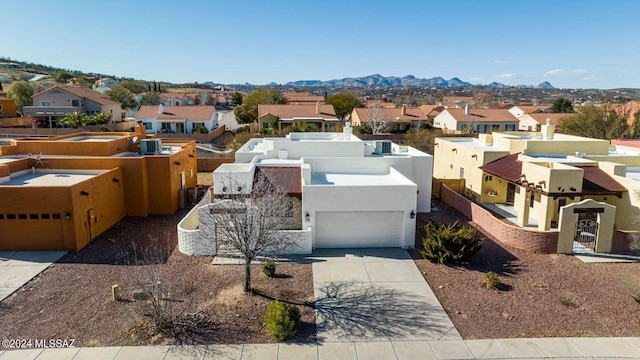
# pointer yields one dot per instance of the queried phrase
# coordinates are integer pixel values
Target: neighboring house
(456, 102)
(51, 105)
(176, 119)
(481, 121)
(390, 120)
(580, 187)
(62, 192)
(348, 193)
(519, 110)
(176, 99)
(102, 89)
(533, 121)
(322, 116)
(302, 98)
(106, 82)
(7, 105)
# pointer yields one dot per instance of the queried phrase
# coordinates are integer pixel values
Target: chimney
(403, 111)
(317, 107)
(467, 111)
(160, 109)
(547, 130)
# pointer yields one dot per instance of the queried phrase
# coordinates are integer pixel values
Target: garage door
(358, 229)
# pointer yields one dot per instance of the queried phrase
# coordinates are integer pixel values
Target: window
(165, 126)
(56, 217)
(148, 126)
(75, 103)
(461, 173)
(532, 198)
(22, 216)
(1, 115)
(11, 216)
(488, 178)
(33, 216)
(45, 216)
(561, 202)
(1, 216)
(329, 127)
(196, 125)
(46, 103)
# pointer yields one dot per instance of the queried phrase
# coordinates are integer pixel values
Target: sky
(571, 44)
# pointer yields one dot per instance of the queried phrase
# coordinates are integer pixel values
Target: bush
(492, 281)
(282, 321)
(269, 268)
(453, 243)
(202, 130)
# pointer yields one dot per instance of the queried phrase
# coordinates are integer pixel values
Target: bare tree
(378, 121)
(251, 220)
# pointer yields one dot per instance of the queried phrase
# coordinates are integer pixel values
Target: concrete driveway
(375, 295)
(18, 267)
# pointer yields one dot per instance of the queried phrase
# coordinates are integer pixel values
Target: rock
(139, 294)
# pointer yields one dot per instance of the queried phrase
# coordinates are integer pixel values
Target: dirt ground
(72, 299)
(544, 295)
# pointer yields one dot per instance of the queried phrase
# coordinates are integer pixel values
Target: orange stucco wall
(34, 218)
(8, 108)
(131, 186)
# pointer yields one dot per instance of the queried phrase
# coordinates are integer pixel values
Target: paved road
(227, 118)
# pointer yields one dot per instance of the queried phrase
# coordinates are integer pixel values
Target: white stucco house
(350, 193)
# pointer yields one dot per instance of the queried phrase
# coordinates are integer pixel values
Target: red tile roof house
(483, 121)
(396, 120)
(176, 119)
(532, 122)
(51, 105)
(320, 115)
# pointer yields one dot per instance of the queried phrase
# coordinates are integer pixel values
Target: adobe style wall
(533, 241)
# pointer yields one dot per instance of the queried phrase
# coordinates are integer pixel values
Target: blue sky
(573, 44)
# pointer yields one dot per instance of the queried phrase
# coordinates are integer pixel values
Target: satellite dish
(134, 140)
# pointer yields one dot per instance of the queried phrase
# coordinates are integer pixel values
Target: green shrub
(202, 130)
(492, 281)
(269, 268)
(453, 243)
(282, 321)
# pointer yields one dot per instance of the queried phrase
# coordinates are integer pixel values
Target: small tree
(595, 122)
(377, 120)
(63, 76)
(344, 103)
(561, 105)
(282, 321)
(236, 98)
(21, 92)
(250, 221)
(152, 98)
(122, 95)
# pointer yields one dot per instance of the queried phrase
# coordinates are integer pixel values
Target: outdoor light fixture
(307, 217)
(84, 193)
(474, 156)
(68, 216)
(412, 214)
(560, 188)
(572, 189)
(436, 144)
(116, 180)
(454, 149)
(177, 163)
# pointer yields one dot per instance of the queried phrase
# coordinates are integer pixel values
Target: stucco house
(546, 181)
(176, 119)
(481, 121)
(320, 115)
(62, 192)
(348, 192)
(7, 105)
(394, 120)
(533, 121)
(51, 105)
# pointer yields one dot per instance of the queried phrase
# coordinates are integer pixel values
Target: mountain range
(408, 80)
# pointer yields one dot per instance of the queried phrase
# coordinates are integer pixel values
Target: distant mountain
(545, 85)
(393, 81)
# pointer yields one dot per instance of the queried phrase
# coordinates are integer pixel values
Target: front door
(179, 128)
(511, 193)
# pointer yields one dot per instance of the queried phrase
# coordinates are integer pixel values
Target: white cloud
(563, 72)
(506, 76)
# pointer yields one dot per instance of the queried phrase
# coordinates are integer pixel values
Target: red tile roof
(482, 115)
(390, 114)
(594, 180)
(288, 111)
(303, 97)
(530, 109)
(288, 178)
(82, 92)
(431, 110)
(204, 113)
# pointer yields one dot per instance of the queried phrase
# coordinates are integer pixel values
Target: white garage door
(358, 229)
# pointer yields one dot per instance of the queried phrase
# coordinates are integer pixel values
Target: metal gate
(586, 232)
